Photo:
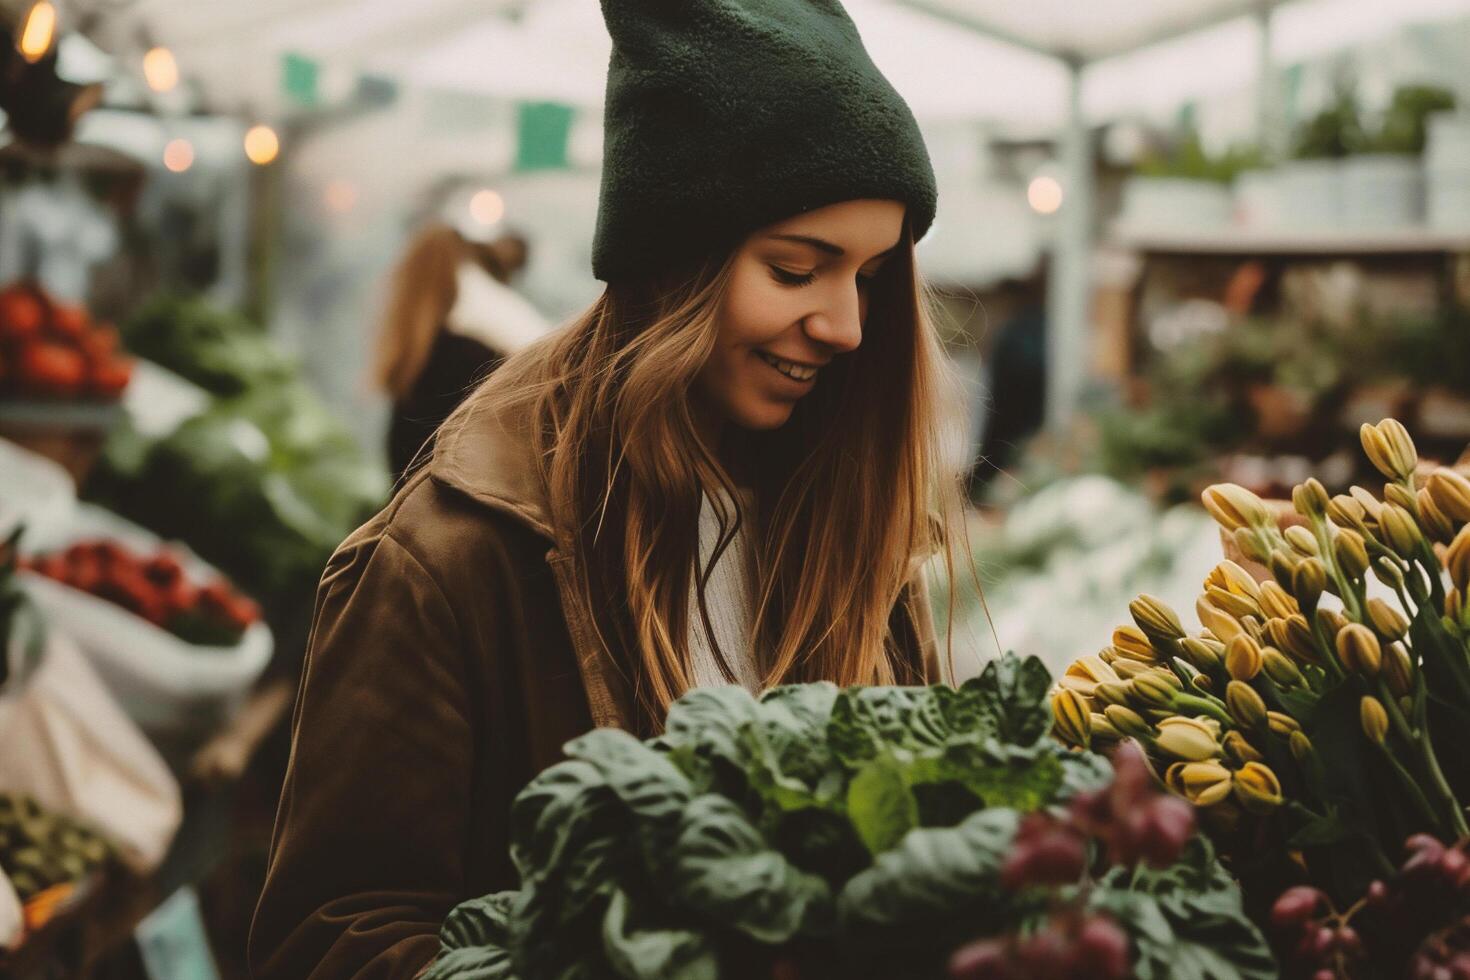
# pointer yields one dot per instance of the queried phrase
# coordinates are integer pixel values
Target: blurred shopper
(1014, 401)
(725, 471)
(452, 318)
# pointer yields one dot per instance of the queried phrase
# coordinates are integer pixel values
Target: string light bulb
(178, 155)
(160, 69)
(487, 207)
(262, 145)
(1044, 194)
(38, 32)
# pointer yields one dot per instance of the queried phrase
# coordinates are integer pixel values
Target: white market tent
(1041, 66)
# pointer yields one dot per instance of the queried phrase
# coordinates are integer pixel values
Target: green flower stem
(1416, 794)
(1204, 705)
(1334, 669)
(1431, 763)
(1345, 591)
(1434, 572)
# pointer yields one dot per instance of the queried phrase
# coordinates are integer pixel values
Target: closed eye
(788, 278)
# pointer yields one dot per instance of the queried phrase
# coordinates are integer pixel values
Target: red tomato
(100, 342)
(110, 377)
(51, 368)
(71, 322)
(22, 313)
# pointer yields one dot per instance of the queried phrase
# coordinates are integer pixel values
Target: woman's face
(797, 299)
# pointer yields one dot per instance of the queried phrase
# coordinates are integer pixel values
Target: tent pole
(1069, 283)
(1267, 127)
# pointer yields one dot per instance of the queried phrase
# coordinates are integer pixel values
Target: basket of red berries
(54, 352)
(177, 644)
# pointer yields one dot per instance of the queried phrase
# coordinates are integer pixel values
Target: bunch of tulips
(1320, 717)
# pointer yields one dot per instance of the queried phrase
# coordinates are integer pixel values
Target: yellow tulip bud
(1374, 719)
(1387, 571)
(1092, 669)
(1387, 620)
(1283, 563)
(1239, 748)
(1309, 581)
(1130, 642)
(1302, 541)
(1280, 669)
(1293, 636)
(1300, 746)
(1359, 651)
(1234, 506)
(1276, 601)
(1203, 654)
(1232, 578)
(1436, 524)
(1400, 496)
(1351, 552)
(1156, 619)
(1249, 544)
(1154, 691)
(1102, 728)
(1205, 783)
(1189, 739)
(1174, 777)
(1389, 448)
(1243, 658)
(1129, 669)
(1071, 718)
(1216, 620)
(1398, 670)
(1346, 512)
(1257, 788)
(1113, 692)
(1310, 498)
(1127, 721)
(1451, 492)
(1332, 622)
(1457, 560)
(1235, 605)
(1371, 505)
(1246, 706)
(1454, 605)
(1282, 724)
(1398, 530)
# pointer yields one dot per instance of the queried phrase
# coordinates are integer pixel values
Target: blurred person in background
(451, 319)
(1014, 400)
(727, 470)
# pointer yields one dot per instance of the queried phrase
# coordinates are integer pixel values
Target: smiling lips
(792, 370)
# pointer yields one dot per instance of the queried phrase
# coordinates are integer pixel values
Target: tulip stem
(1416, 794)
(1385, 866)
(1205, 705)
(1457, 815)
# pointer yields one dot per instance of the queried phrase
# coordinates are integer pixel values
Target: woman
(723, 470)
(450, 321)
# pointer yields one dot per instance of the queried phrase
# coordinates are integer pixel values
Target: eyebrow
(830, 248)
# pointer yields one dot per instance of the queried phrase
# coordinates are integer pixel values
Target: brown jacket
(449, 661)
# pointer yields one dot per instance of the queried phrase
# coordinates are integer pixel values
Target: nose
(838, 325)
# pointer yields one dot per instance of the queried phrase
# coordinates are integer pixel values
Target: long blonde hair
(422, 293)
(847, 491)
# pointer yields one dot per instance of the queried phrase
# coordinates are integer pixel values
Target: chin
(761, 418)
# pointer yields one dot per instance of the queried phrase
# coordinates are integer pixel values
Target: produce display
(53, 350)
(1318, 720)
(45, 855)
(866, 832)
(154, 587)
(266, 456)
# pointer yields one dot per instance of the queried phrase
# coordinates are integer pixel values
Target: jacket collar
(485, 451)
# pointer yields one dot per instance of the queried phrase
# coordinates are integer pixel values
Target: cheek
(756, 311)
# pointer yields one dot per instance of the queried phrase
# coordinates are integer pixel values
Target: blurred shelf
(1286, 242)
(59, 414)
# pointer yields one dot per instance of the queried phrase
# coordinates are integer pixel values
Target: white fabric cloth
(729, 597)
(487, 310)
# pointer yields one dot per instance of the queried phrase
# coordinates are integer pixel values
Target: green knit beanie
(724, 116)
